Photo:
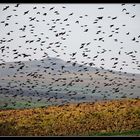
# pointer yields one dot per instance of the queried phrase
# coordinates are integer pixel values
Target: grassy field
(117, 117)
(126, 133)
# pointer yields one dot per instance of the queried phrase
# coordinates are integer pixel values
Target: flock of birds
(52, 79)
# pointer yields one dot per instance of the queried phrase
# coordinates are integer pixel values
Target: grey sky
(77, 34)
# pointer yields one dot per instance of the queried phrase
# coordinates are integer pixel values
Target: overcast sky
(105, 48)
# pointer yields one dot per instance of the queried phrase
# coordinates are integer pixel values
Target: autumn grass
(126, 133)
(84, 119)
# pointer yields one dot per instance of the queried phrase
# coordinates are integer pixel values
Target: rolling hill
(53, 81)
